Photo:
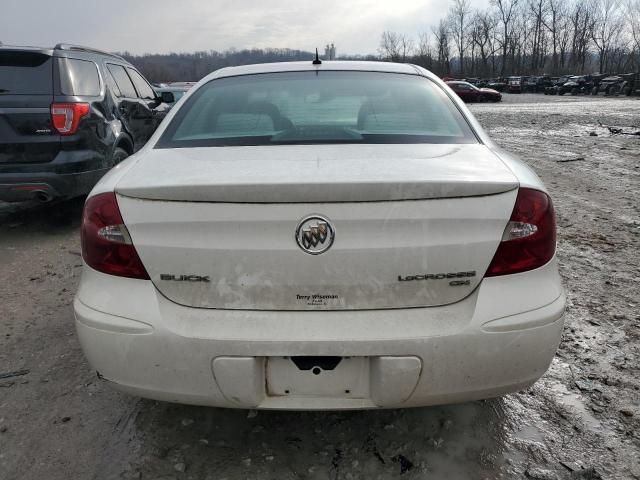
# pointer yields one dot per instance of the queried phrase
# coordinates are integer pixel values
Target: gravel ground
(57, 421)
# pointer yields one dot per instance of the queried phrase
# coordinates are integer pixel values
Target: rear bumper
(487, 345)
(71, 174)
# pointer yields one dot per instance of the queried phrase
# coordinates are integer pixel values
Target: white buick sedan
(320, 236)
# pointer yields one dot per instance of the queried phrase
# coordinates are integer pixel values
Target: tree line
(180, 67)
(510, 37)
(525, 37)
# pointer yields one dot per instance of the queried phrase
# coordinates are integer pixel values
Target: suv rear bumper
(70, 174)
(486, 345)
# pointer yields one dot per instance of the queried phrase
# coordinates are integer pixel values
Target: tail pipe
(42, 196)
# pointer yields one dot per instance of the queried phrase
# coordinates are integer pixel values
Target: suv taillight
(66, 116)
(106, 244)
(529, 240)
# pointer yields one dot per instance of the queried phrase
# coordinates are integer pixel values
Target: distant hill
(186, 67)
(177, 67)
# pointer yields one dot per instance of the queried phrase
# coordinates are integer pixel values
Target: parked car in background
(542, 83)
(471, 93)
(326, 235)
(186, 85)
(514, 84)
(575, 85)
(596, 78)
(67, 115)
(611, 85)
(498, 84)
(530, 84)
(555, 85)
(631, 84)
(176, 91)
(550, 84)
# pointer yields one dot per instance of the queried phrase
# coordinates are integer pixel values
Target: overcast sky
(142, 26)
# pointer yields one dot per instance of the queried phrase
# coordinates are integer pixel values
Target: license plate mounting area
(318, 376)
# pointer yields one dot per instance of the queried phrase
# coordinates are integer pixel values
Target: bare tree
(395, 47)
(389, 46)
(606, 28)
(406, 47)
(552, 23)
(519, 32)
(526, 37)
(538, 10)
(459, 15)
(441, 34)
(424, 51)
(483, 35)
(506, 13)
(632, 14)
(581, 26)
(563, 37)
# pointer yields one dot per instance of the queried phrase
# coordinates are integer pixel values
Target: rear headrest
(260, 123)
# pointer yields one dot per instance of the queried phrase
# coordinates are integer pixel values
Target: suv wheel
(119, 155)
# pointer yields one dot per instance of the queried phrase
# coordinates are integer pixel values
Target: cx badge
(315, 234)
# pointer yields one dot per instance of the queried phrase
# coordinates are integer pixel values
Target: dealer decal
(317, 299)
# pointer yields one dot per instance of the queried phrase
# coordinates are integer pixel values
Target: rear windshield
(25, 73)
(317, 107)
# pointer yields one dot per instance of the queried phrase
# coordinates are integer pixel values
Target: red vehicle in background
(470, 93)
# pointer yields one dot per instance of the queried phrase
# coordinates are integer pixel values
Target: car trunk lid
(413, 225)
(317, 173)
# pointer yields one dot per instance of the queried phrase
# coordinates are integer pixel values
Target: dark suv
(67, 115)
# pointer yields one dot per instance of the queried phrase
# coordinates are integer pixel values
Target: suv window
(79, 77)
(317, 107)
(122, 80)
(25, 73)
(111, 83)
(144, 89)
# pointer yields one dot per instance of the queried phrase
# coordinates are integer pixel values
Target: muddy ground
(58, 421)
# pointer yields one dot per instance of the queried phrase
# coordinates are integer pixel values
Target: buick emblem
(315, 234)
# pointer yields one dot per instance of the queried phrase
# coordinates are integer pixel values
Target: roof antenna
(317, 61)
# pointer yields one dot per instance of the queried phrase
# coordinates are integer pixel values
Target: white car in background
(332, 235)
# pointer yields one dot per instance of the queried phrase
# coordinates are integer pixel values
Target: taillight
(66, 116)
(529, 240)
(106, 244)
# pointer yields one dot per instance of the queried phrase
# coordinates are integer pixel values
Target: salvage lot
(58, 421)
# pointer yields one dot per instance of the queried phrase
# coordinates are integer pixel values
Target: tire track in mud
(593, 384)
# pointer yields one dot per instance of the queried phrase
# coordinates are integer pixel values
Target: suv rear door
(129, 108)
(151, 109)
(136, 104)
(26, 94)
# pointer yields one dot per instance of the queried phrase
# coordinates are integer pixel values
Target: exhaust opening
(42, 196)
